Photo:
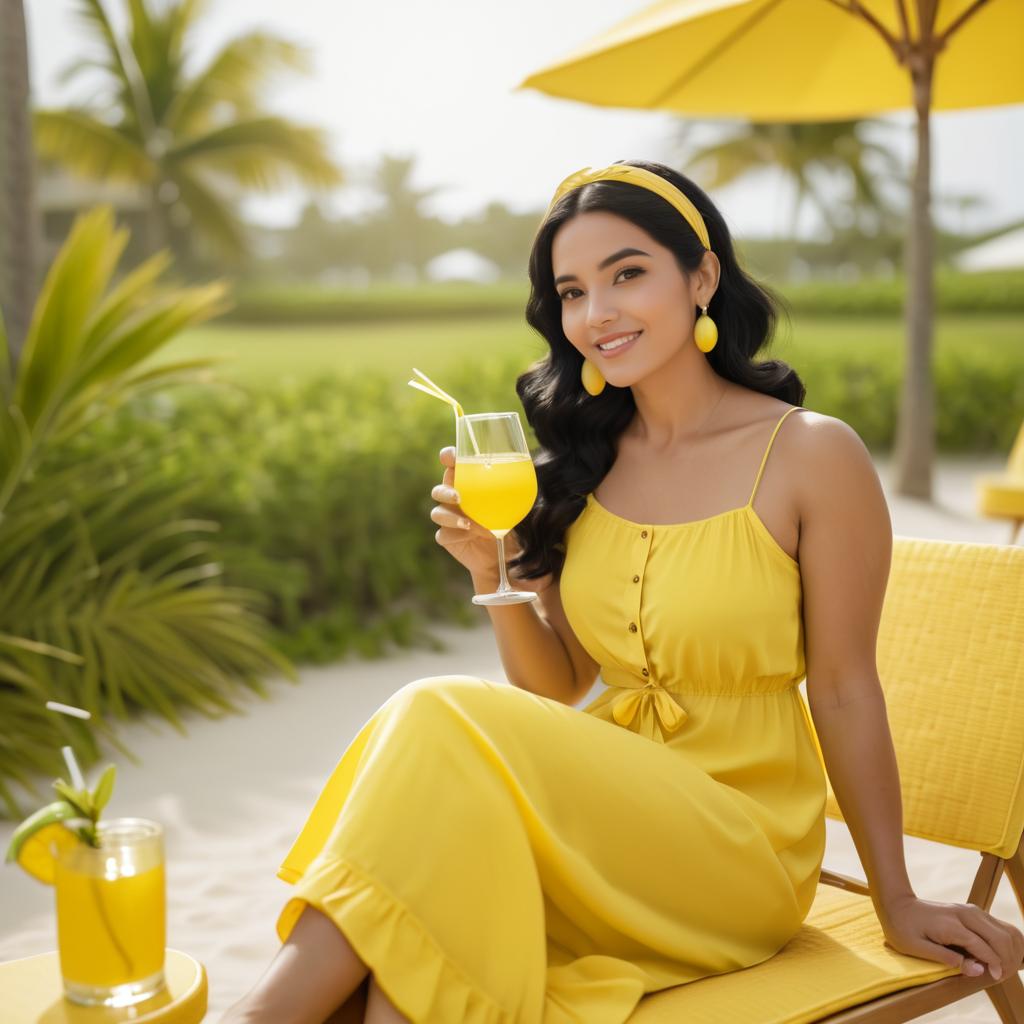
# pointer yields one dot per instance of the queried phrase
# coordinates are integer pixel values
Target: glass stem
(504, 585)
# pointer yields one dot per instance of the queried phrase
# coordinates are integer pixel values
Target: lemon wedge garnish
(39, 838)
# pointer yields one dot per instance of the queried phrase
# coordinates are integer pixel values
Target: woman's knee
(446, 689)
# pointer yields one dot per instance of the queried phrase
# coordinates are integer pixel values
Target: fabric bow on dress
(628, 709)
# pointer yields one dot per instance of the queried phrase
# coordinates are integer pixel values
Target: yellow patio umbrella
(819, 60)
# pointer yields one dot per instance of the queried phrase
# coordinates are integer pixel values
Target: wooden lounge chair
(1001, 495)
(951, 661)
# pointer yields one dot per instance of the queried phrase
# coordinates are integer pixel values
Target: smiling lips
(620, 344)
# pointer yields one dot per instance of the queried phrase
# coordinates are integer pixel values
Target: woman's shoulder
(813, 441)
(818, 434)
(804, 427)
(823, 451)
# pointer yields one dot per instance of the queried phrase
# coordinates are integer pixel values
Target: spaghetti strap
(764, 458)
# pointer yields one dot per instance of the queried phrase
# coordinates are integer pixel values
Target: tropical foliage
(108, 597)
(191, 138)
(806, 154)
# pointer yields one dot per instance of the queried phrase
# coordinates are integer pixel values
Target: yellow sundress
(495, 856)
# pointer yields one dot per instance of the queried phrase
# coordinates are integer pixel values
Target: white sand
(233, 793)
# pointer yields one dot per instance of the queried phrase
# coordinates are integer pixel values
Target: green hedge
(322, 489)
(322, 493)
(274, 304)
(992, 292)
(979, 395)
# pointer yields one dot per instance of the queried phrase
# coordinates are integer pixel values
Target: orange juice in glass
(496, 484)
(497, 492)
(111, 917)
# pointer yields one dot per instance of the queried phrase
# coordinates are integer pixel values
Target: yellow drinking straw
(434, 390)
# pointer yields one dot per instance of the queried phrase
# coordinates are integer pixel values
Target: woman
(487, 853)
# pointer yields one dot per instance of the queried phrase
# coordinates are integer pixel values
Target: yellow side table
(31, 993)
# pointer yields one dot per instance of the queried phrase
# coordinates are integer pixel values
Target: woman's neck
(672, 409)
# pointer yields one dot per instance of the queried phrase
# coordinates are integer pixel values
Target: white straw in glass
(77, 779)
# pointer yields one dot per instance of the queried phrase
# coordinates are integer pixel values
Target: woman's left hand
(959, 934)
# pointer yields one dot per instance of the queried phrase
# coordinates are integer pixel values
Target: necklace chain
(700, 430)
(707, 419)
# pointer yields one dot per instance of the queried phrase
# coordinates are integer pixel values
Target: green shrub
(999, 291)
(269, 304)
(322, 493)
(988, 292)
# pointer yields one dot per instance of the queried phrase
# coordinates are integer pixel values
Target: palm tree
(187, 137)
(405, 233)
(17, 195)
(806, 152)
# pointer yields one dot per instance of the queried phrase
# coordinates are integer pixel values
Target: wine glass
(496, 483)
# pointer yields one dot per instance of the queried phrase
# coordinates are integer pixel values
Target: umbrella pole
(915, 428)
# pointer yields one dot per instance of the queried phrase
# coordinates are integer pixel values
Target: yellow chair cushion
(837, 960)
(1001, 495)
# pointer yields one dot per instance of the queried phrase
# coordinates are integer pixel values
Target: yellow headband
(644, 179)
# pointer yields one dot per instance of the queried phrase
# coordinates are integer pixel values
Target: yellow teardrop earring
(593, 379)
(705, 332)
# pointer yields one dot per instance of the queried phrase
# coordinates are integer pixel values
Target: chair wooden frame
(1006, 995)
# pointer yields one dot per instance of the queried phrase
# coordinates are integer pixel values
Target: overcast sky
(437, 80)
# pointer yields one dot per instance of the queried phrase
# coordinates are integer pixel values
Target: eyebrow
(606, 262)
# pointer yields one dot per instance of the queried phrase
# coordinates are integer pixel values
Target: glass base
(114, 995)
(505, 597)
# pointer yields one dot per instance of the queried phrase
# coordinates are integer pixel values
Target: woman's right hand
(471, 544)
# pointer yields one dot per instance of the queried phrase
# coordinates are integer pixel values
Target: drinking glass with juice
(497, 485)
(108, 879)
(111, 914)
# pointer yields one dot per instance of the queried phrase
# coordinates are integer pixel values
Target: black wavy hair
(577, 433)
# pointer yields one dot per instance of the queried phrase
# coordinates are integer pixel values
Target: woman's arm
(845, 556)
(538, 649)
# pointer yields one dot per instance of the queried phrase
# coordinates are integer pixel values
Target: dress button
(643, 533)
(632, 627)
(644, 672)
(636, 579)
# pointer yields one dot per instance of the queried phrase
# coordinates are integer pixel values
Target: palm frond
(143, 37)
(721, 163)
(132, 292)
(182, 19)
(234, 75)
(146, 331)
(70, 72)
(121, 65)
(263, 152)
(73, 287)
(802, 151)
(90, 147)
(79, 340)
(103, 398)
(19, 643)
